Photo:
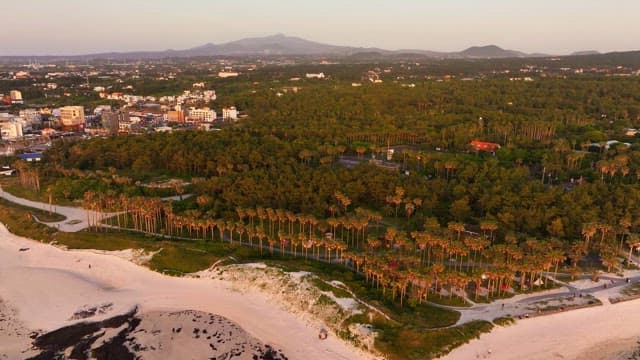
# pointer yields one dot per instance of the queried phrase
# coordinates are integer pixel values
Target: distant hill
(282, 45)
(585, 52)
(490, 51)
(271, 45)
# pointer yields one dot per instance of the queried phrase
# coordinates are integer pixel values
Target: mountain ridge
(283, 45)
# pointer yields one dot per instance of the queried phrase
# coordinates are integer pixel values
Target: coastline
(622, 349)
(567, 335)
(47, 286)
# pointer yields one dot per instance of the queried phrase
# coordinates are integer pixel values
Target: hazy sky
(36, 27)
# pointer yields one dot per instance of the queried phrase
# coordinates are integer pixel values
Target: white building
(227, 74)
(101, 108)
(315, 76)
(163, 129)
(204, 114)
(16, 97)
(209, 95)
(10, 127)
(72, 115)
(230, 113)
(31, 116)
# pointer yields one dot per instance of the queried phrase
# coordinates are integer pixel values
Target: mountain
(585, 52)
(282, 45)
(489, 51)
(278, 44)
(269, 45)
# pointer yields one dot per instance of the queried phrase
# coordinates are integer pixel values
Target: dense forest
(553, 187)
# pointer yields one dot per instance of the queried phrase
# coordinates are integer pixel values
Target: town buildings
(227, 74)
(175, 116)
(315, 76)
(72, 116)
(31, 116)
(230, 113)
(10, 126)
(16, 97)
(101, 108)
(111, 121)
(204, 114)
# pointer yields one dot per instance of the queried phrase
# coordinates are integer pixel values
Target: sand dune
(48, 287)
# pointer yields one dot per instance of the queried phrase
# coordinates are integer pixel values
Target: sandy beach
(47, 288)
(578, 334)
(44, 288)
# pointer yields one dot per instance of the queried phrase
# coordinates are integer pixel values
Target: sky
(66, 27)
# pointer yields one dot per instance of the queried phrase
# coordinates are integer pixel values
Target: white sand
(566, 335)
(47, 285)
(163, 335)
(612, 350)
(15, 341)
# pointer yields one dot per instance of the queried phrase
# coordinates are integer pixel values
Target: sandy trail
(47, 285)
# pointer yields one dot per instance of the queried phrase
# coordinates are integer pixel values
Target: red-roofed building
(484, 146)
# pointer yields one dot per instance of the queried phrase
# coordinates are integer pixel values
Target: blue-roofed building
(30, 157)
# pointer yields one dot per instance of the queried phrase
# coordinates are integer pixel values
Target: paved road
(76, 217)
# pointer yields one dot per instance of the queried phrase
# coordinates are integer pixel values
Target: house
(204, 114)
(11, 127)
(315, 76)
(30, 157)
(484, 146)
(164, 129)
(230, 113)
(227, 74)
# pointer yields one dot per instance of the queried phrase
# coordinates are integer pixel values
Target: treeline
(546, 180)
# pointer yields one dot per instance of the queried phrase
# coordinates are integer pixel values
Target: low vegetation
(504, 321)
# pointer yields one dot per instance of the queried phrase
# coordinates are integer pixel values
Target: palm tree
(343, 200)
(588, 231)
(261, 235)
(221, 225)
(634, 243)
(390, 236)
(231, 226)
(489, 225)
(241, 228)
(271, 242)
(456, 227)
(50, 195)
(557, 256)
(409, 208)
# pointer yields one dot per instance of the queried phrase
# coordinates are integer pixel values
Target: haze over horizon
(42, 27)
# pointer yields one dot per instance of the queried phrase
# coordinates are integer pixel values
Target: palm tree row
(407, 264)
